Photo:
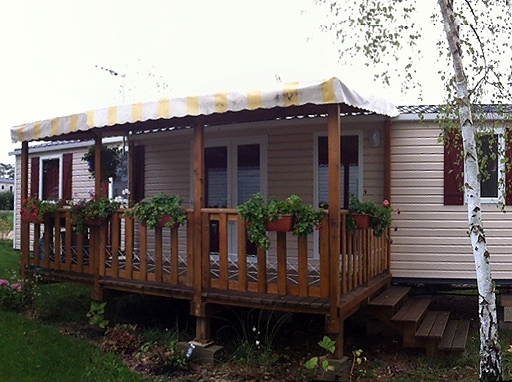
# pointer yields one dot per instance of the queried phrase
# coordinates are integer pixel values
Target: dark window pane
(216, 165)
(248, 176)
(489, 155)
(51, 179)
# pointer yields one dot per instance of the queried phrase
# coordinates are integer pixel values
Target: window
(490, 152)
(49, 179)
(51, 176)
(350, 169)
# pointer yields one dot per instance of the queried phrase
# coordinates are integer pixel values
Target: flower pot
(95, 222)
(285, 224)
(362, 221)
(27, 217)
(162, 222)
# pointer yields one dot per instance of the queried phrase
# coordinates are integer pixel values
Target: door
(233, 172)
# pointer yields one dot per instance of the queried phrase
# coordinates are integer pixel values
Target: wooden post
(131, 173)
(387, 183)
(202, 322)
(25, 229)
(334, 325)
(95, 249)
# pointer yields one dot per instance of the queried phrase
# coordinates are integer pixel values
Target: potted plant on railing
(364, 215)
(92, 212)
(161, 210)
(273, 215)
(33, 209)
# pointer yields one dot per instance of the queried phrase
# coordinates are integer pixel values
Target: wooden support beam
(97, 167)
(334, 160)
(25, 233)
(199, 203)
(131, 173)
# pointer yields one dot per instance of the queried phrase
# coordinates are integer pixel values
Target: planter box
(29, 218)
(162, 222)
(362, 221)
(285, 224)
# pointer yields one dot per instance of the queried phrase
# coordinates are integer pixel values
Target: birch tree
(384, 29)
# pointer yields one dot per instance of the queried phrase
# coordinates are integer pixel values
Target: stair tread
(455, 335)
(413, 310)
(433, 325)
(390, 297)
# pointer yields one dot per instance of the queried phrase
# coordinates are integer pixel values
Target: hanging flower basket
(362, 221)
(284, 224)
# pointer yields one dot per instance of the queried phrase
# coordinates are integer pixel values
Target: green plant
(96, 314)
(6, 224)
(322, 362)
(38, 208)
(92, 209)
(151, 210)
(11, 295)
(110, 161)
(358, 359)
(257, 212)
(380, 214)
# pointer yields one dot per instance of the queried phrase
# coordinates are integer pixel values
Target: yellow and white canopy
(330, 91)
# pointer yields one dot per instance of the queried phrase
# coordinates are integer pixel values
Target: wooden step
(390, 300)
(409, 317)
(413, 310)
(455, 336)
(432, 330)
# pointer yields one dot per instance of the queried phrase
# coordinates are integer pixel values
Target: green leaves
(151, 210)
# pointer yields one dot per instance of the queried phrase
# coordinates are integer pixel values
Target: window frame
(500, 199)
(41, 172)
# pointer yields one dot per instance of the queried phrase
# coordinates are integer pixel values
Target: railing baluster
(129, 249)
(57, 243)
(143, 251)
(324, 258)
(282, 268)
(302, 242)
(262, 270)
(102, 249)
(80, 252)
(223, 251)
(242, 254)
(158, 255)
(47, 237)
(37, 234)
(205, 256)
(115, 234)
(174, 256)
(190, 248)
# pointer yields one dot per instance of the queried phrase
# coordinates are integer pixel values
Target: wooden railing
(125, 249)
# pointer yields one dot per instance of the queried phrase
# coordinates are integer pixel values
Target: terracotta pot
(29, 218)
(285, 224)
(162, 222)
(362, 221)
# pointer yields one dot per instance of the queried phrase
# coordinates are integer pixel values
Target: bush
(7, 201)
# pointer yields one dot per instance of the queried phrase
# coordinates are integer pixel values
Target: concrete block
(341, 372)
(506, 300)
(507, 314)
(202, 354)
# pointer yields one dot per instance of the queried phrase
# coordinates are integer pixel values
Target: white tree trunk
(490, 352)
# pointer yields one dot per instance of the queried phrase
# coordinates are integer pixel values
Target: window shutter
(67, 176)
(34, 177)
(138, 173)
(508, 169)
(453, 169)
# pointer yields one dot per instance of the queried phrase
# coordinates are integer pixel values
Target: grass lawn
(33, 351)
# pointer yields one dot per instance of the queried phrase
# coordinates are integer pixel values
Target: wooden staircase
(420, 328)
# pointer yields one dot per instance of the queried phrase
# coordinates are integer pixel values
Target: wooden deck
(292, 275)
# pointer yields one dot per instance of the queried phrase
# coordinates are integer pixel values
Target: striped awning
(291, 94)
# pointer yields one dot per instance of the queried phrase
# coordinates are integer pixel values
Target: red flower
(385, 203)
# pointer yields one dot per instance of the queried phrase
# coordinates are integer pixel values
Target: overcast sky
(53, 52)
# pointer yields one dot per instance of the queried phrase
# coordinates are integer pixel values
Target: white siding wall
(431, 240)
